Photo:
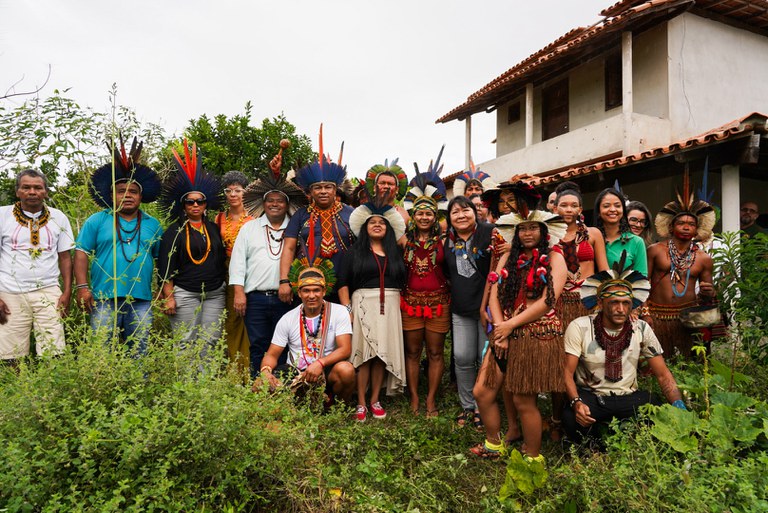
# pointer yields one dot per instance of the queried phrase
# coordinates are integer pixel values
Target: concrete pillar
(528, 114)
(467, 141)
(627, 107)
(731, 200)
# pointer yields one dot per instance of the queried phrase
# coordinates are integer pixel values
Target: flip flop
(431, 414)
(463, 417)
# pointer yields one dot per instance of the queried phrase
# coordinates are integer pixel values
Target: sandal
(431, 414)
(477, 421)
(482, 450)
(510, 441)
(463, 417)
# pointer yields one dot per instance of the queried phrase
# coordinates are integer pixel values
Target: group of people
(313, 292)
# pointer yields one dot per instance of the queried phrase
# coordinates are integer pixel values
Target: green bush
(102, 431)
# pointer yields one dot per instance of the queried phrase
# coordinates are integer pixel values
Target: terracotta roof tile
(753, 122)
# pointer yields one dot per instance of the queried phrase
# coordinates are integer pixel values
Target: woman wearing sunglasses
(191, 261)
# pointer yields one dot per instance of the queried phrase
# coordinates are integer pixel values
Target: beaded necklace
(613, 345)
(679, 264)
(230, 229)
(204, 232)
(310, 346)
(34, 225)
(133, 233)
(270, 237)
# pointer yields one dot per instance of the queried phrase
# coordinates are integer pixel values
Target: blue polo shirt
(120, 268)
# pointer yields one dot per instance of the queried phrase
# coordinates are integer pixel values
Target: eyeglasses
(233, 192)
(634, 220)
(191, 202)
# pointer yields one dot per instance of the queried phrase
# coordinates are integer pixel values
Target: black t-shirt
(468, 276)
(368, 278)
(175, 264)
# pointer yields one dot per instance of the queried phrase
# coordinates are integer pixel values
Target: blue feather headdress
(473, 174)
(427, 190)
(634, 281)
(190, 177)
(322, 171)
(126, 169)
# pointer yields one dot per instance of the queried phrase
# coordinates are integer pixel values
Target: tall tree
(233, 143)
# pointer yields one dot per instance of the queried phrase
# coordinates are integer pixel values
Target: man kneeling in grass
(602, 355)
(318, 335)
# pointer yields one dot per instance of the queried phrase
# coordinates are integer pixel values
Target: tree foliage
(233, 143)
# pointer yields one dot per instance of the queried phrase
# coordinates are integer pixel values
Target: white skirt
(377, 335)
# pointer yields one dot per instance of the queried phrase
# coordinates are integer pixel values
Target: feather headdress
(686, 204)
(361, 214)
(322, 171)
(473, 174)
(300, 266)
(190, 177)
(508, 223)
(273, 181)
(387, 167)
(427, 190)
(126, 169)
(634, 281)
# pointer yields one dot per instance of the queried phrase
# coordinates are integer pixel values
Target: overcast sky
(377, 74)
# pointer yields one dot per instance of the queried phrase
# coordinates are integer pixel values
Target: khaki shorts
(31, 310)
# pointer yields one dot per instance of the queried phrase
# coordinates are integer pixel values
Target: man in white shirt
(318, 335)
(35, 244)
(254, 267)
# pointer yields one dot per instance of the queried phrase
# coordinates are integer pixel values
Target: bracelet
(348, 307)
(266, 367)
(81, 286)
(321, 363)
(574, 401)
(285, 281)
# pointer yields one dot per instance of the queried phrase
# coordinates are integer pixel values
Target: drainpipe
(627, 108)
(467, 141)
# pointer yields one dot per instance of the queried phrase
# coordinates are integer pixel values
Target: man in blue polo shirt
(119, 245)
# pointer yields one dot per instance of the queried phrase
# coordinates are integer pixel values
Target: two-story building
(654, 88)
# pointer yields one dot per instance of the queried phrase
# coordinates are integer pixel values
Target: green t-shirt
(637, 257)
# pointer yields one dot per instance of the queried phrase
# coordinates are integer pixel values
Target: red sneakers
(361, 413)
(378, 411)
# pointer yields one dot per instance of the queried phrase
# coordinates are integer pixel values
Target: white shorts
(36, 309)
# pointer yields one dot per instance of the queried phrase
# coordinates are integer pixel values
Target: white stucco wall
(717, 73)
(510, 137)
(650, 76)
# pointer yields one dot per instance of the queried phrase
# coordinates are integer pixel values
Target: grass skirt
(673, 336)
(376, 335)
(536, 358)
(570, 307)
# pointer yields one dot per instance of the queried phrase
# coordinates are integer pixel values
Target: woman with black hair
(369, 286)
(611, 220)
(526, 343)
(469, 249)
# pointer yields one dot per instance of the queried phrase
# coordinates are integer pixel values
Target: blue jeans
(468, 342)
(134, 319)
(261, 315)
